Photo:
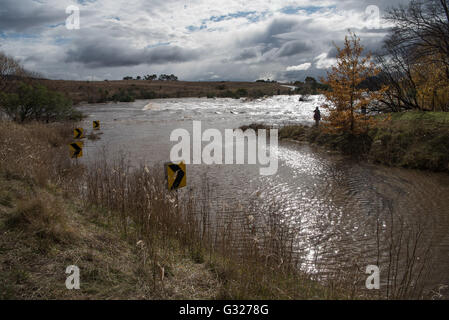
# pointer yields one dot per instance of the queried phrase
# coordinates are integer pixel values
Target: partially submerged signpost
(176, 175)
(78, 133)
(76, 150)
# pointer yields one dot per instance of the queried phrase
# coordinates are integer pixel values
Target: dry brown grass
(133, 239)
(44, 228)
(36, 152)
(42, 217)
(86, 91)
(249, 254)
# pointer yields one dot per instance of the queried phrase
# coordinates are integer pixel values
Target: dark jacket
(317, 115)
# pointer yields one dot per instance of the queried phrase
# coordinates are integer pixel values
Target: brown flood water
(344, 213)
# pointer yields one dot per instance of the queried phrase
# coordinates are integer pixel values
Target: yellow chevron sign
(78, 133)
(176, 175)
(96, 125)
(76, 150)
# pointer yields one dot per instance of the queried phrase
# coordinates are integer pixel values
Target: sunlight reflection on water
(330, 201)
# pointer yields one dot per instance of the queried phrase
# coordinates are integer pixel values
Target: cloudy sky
(194, 39)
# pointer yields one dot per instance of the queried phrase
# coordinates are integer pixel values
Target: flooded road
(342, 212)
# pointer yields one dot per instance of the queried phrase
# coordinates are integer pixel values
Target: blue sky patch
(228, 16)
(310, 9)
(18, 35)
(195, 28)
(159, 44)
(57, 25)
(84, 2)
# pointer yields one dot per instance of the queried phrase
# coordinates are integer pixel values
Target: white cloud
(238, 40)
(301, 67)
(323, 62)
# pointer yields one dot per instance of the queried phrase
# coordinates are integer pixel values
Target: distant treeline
(152, 77)
(134, 92)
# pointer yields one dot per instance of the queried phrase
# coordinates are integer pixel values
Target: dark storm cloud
(20, 16)
(106, 54)
(246, 54)
(301, 75)
(293, 48)
(269, 44)
(268, 38)
(372, 45)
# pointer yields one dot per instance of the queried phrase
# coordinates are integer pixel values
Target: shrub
(37, 103)
(241, 93)
(257, 94)
(148, 94)
(123, 96)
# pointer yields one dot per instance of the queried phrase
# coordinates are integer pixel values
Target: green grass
(435, 118)
(416, 140)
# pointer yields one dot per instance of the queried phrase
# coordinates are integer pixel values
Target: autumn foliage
(346, 100)
(432, 83)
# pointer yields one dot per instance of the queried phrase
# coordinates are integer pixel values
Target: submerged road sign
(78, 133)
(176, 175)
(76, 150)
(96, 125)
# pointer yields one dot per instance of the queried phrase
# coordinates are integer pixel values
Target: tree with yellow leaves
(432, 83)
(346, 100)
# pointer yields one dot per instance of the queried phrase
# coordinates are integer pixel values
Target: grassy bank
(417, 140)
(129, 236)
(132, 239)
(45, 226)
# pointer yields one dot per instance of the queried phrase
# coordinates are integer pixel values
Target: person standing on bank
(317, 116)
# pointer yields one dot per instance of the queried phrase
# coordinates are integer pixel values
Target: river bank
(130, 90)
(415, 140)
(125, 232)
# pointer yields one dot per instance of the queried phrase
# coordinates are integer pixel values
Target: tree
(150, 77)
(396, 70)
(166, 77)
(346, 98)
(432, 84)
(311, 85)
(415, 61)
(422, 28)
(37, 103)
(9, 69)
